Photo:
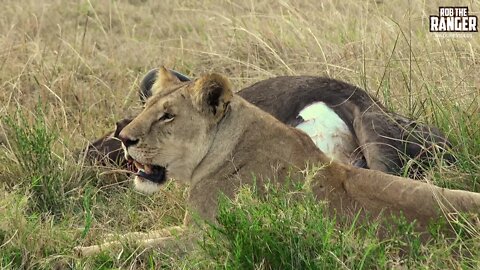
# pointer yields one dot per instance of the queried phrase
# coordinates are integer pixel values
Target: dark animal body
(384, 140)
(387, 140)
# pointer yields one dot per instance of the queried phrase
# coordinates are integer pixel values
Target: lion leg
(423, 202)
(144, 243)
(145, 235)
(160, 238)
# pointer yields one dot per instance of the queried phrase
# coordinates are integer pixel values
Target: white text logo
(453, 19)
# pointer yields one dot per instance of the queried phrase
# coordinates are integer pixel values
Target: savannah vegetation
(70, 69)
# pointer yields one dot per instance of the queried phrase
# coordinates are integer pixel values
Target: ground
(70, 69)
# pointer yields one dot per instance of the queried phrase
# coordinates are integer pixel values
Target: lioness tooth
(138, 165)
(148, 169)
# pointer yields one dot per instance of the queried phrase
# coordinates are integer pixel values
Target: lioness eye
(166, 117)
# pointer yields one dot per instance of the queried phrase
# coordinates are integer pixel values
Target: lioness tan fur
(214, 141)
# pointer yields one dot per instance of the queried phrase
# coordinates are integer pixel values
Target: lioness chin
(203, 135)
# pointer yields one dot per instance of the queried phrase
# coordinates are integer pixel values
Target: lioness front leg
(164, 238)
(161, 238)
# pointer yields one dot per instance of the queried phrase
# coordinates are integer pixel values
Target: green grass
(40, 171)
(82, 60)
(289, 229)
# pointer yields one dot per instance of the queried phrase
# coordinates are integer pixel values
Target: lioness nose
(127, 141)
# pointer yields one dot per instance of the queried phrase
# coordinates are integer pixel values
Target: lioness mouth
(154, 173)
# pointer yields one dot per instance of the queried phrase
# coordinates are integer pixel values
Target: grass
(32, 147)
(288, 231)
(70, 70)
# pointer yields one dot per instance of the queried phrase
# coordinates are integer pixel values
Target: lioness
(203, 135)
(344, 121)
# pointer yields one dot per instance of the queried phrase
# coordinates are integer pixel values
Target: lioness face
(170, 137)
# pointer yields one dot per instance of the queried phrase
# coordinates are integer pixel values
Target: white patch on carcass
(328, 132)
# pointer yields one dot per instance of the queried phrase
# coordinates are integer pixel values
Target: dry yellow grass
(84, 59)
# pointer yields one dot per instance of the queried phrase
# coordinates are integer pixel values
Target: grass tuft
(40, 171)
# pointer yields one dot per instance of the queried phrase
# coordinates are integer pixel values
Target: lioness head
(173, 133)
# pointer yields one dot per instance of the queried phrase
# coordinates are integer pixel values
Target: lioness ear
(212, 93)
(164, 79)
